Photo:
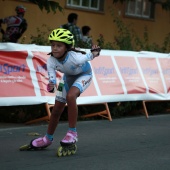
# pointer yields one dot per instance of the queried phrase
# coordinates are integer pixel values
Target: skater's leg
(74, 92)
(68, 143)
(71, 98)
(54, 119)
(55, 116)
(71, 136)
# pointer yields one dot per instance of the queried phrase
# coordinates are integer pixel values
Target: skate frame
(105, 113)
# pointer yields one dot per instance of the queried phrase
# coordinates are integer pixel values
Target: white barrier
(117, 76)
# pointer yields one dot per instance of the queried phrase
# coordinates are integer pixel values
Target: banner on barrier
(117, 76)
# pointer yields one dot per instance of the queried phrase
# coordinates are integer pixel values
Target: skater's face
(58, 49)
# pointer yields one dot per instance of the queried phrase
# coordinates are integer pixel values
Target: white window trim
(135, 14)
(84, 7)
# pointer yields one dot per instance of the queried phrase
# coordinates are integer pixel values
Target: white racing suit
(77, 72)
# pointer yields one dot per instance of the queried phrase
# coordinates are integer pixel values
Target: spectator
(87, 40)
(16, 25)
(73, 28)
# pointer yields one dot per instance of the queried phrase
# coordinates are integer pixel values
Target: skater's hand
(50, 87)
(95, 51)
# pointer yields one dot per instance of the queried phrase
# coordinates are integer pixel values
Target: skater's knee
(71, 96)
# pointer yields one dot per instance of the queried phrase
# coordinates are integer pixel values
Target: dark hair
(85, 29)
(72, 17)
(70, 48)
(78, 51)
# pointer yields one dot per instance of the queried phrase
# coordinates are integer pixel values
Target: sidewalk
(123, 144)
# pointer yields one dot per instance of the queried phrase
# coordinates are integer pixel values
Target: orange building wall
(101, 23)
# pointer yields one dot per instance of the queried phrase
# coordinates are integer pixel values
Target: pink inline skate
(36, 144)
(68, 144)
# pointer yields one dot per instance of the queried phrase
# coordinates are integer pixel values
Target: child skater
(77, 78)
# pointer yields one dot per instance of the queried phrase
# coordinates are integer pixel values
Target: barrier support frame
(145, 108)
(45, 118)
(105, 113)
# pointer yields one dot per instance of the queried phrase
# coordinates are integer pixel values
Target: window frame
(99, 7)
(140, 7)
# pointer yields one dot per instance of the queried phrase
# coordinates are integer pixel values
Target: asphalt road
(133, 143)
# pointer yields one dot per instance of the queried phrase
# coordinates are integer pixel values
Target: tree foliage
(47, 5)
(164, 3)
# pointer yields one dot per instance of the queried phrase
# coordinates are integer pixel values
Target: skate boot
(68, 144)
(37, 144)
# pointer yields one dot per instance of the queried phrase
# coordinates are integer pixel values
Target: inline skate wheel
(25, 147)
(64, 153)
(74, 150)
(68, 152)
(60, 151)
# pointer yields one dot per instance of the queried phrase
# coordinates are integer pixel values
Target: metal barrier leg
(106, 113)
(45, 118)
(145, 109)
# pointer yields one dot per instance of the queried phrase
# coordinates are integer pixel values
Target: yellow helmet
(62, 35)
